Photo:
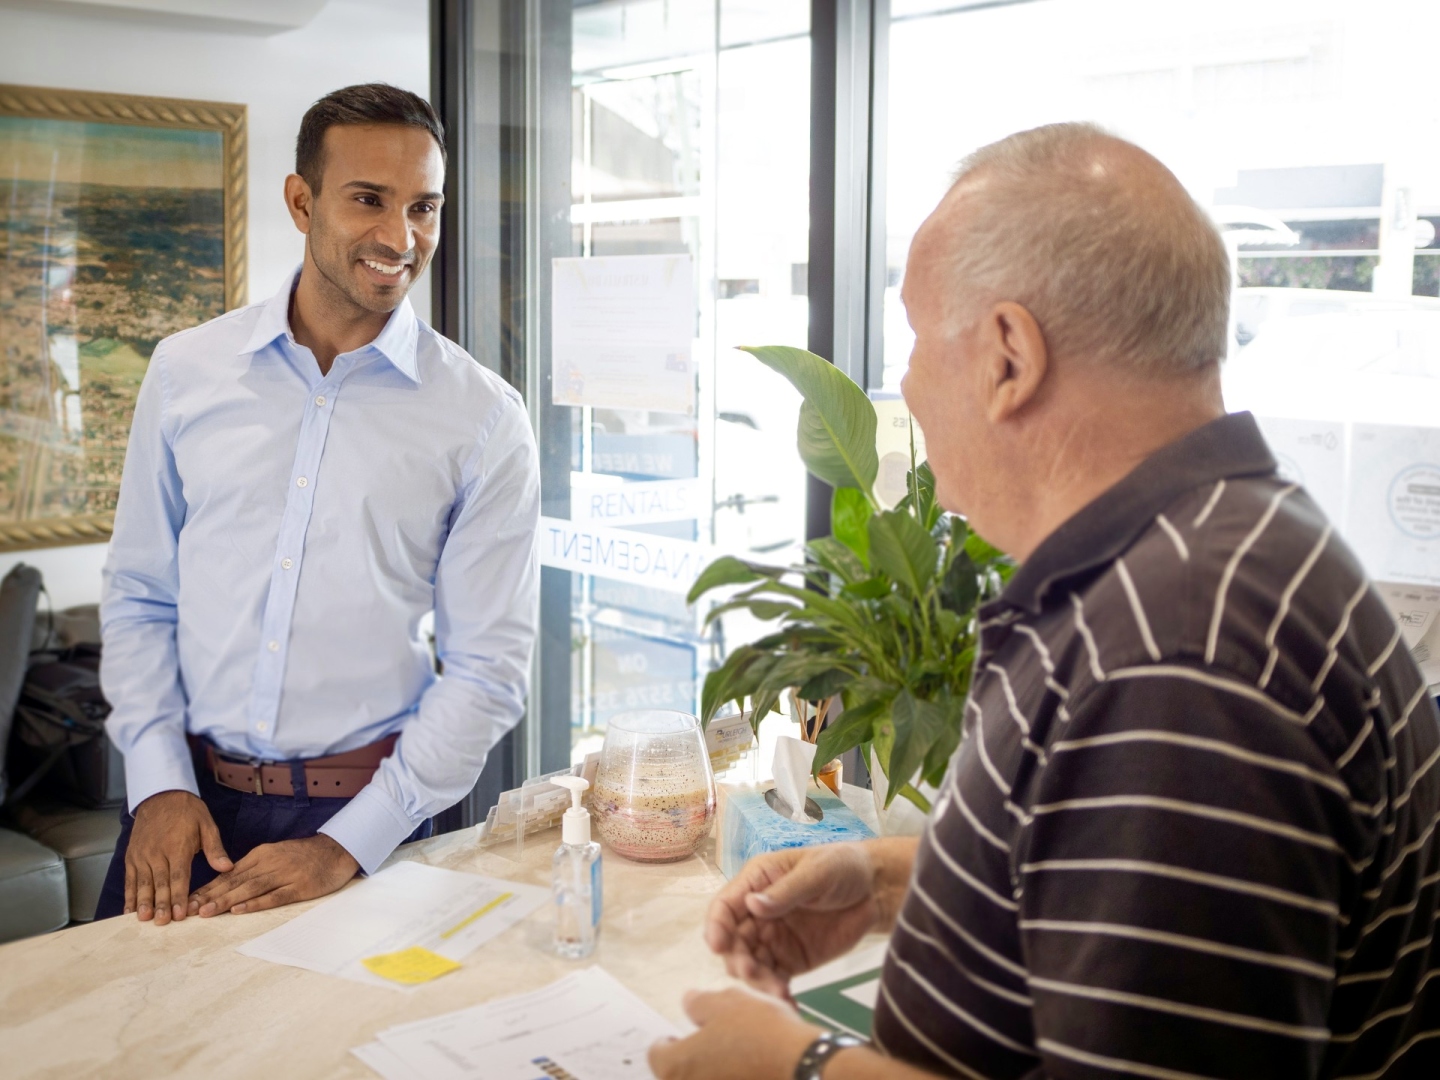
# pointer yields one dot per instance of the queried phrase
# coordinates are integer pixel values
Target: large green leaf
(901, 547)
(988, 557)
(850, 513)
(920, 485)
(727, 570)
(795, 669)
(837, 421)
(838, 559)
(761, 703)
(937, 758)
(734, 680)
(851, 728)
(960, 589)
(917, 724)
(758, 606)
(869, 589)
(827, 683)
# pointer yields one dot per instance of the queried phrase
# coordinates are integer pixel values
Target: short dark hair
(367, 103)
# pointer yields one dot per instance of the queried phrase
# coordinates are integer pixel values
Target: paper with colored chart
(404, 926)
(585, 1026)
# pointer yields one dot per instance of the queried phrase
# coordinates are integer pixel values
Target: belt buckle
(256, 767)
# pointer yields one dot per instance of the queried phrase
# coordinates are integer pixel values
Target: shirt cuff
(370, 826)
(158, 761)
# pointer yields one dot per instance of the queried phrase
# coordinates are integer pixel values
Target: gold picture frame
(125, 221)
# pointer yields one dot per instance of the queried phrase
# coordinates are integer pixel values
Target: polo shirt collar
(1099, 533)
(397, 342)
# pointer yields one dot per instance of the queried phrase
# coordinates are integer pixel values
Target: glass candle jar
(654, 797)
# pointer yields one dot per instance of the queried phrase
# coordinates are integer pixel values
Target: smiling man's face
(376, 220)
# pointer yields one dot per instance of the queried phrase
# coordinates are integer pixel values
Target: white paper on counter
(385, 1061)
(1393, 521)
(622, 329)
(1310, 453)
(587, 1025)
(404, 905)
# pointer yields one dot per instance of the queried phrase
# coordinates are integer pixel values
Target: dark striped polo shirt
(1190, 831)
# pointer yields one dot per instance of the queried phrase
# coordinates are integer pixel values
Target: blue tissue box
(749, 827)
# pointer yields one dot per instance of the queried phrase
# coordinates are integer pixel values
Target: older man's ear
(1016, 360)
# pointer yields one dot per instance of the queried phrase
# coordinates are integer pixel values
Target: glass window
(689, 136)
(1309, 129)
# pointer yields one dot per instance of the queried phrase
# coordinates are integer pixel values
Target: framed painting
(124, 222)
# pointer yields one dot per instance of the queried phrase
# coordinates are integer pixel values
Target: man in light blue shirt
(306, 479)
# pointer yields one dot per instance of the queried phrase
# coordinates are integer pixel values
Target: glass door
(668, 194)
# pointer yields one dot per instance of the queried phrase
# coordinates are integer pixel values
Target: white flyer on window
(587, 1026)
(1416, 608)
(1393, 520)
(1311, 453)
(621, 332)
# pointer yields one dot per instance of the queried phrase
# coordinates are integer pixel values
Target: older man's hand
(743, 1035)
(790, 911)
(276, 874)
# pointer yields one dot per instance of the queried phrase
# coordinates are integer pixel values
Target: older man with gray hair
(1190, 831)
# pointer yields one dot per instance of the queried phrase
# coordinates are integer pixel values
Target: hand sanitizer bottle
(576, 878)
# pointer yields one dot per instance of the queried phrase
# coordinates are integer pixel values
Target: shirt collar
(1101, 531)
(398, 342)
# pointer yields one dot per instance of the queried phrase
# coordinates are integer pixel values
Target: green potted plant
(882, 613)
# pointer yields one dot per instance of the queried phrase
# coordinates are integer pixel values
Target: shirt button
(301, 482)
(274, 646)
(286, 564)
(262, 726)
(320, 401)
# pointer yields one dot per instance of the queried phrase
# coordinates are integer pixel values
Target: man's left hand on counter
(276, 874)
(743, 1034)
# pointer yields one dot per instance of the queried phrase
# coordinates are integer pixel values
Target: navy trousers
(245, 821)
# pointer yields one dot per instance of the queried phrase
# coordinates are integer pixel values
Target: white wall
(277, 76)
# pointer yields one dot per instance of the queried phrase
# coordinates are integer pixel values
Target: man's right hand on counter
(789, 911)
(170, 828)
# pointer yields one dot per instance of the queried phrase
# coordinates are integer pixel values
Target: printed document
(1394, 515)
(622, 329)
(1416, 609)
(1310, 453)
(586, 1026)
(404, 907)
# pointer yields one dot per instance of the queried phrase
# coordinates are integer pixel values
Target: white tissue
(793, 759)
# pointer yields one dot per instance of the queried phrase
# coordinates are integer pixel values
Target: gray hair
(1100, 242)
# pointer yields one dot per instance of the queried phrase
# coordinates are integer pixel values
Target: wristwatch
(812, 1061)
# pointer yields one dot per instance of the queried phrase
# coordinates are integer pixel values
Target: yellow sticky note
(410, 966)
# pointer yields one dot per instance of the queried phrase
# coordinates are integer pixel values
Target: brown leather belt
(336, 776)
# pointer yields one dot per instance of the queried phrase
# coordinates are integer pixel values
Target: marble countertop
(120, 998)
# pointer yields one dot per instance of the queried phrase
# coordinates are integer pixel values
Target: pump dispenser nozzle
(576, 822)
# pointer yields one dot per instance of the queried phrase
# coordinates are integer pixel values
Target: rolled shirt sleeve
(139, 670)
(486, 611)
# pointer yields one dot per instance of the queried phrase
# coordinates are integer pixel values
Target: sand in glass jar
(654, 796)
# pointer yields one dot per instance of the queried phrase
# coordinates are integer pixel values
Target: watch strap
(812, 1061)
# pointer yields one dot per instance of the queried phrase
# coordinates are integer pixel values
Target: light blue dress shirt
(281, 535)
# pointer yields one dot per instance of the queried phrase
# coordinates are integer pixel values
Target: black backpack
(58, 738)
(19, 595)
